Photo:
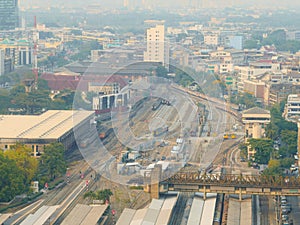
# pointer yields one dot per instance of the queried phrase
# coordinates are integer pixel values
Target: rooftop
(49, 125)
(256, 110)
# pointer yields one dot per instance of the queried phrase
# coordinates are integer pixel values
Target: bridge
(224, 184)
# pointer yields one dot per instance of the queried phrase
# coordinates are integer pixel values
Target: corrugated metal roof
(94, 215)
(77, 215)
(46, 215)
(156, 204)
(196, 211)
(246, 212)
(126, 217)
(166, 211)
(207, 217)
(151, 216)
(233, 212)
(31, 218)
(49, 125)
(139, 217)
(40, 216)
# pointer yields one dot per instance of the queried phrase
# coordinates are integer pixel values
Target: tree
(243, 149)
(99, 195)
(12, 179)
(274, 166)
(161, 71)
(251, 44)
(27, 164)
(263, 148)
(52, 161)
(289, 142)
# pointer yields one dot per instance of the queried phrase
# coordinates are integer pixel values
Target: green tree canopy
(99, 195)
(27, 164)
(12, 179)
(263, 148)
(53, 161)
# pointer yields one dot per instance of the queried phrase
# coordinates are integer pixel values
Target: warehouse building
(36, 131)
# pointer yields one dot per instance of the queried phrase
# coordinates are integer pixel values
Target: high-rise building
(157, 48)
(9, 14)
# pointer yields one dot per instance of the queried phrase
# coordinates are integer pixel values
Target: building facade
(255, 121)
(9, 14)
(20, 51)
(157, 48)
(293, 107)
(37, 131)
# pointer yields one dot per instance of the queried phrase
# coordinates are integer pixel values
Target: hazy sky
(163, 3)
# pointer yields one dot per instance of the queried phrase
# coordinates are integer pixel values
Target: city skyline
(164, 4)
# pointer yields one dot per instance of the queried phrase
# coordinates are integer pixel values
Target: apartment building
(157, 49)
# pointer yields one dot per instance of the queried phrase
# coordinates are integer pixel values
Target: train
(161, 130)
(160, 102)
(156, 105)
(165, 102)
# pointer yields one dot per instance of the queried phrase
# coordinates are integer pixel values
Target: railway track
(178, 211)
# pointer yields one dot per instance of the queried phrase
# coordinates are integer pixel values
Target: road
(295, 205)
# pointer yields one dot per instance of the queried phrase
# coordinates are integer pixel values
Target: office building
(9, 14)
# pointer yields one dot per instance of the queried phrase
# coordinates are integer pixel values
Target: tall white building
(2, 56)
(157, 48)
(293, 107)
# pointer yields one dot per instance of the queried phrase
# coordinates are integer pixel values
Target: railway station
(37, 131)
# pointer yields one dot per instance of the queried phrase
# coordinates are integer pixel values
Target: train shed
(37, 131)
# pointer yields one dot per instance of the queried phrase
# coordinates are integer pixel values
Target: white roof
(138, 217)
(166, 211)
(179, 140)
(208, 211)
(94, 215)
(176, 148)
(246, 212)
(126, 217)
(50, 125)
(133, 164)
(164, 164)
(196, 211)
(40, 216)
(77, 215)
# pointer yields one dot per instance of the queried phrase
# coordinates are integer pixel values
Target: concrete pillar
(240, 194)
(204, 193)
(155, 179)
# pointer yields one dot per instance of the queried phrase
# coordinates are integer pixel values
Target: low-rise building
(37, 131)
(255, 121)
(292, 110)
